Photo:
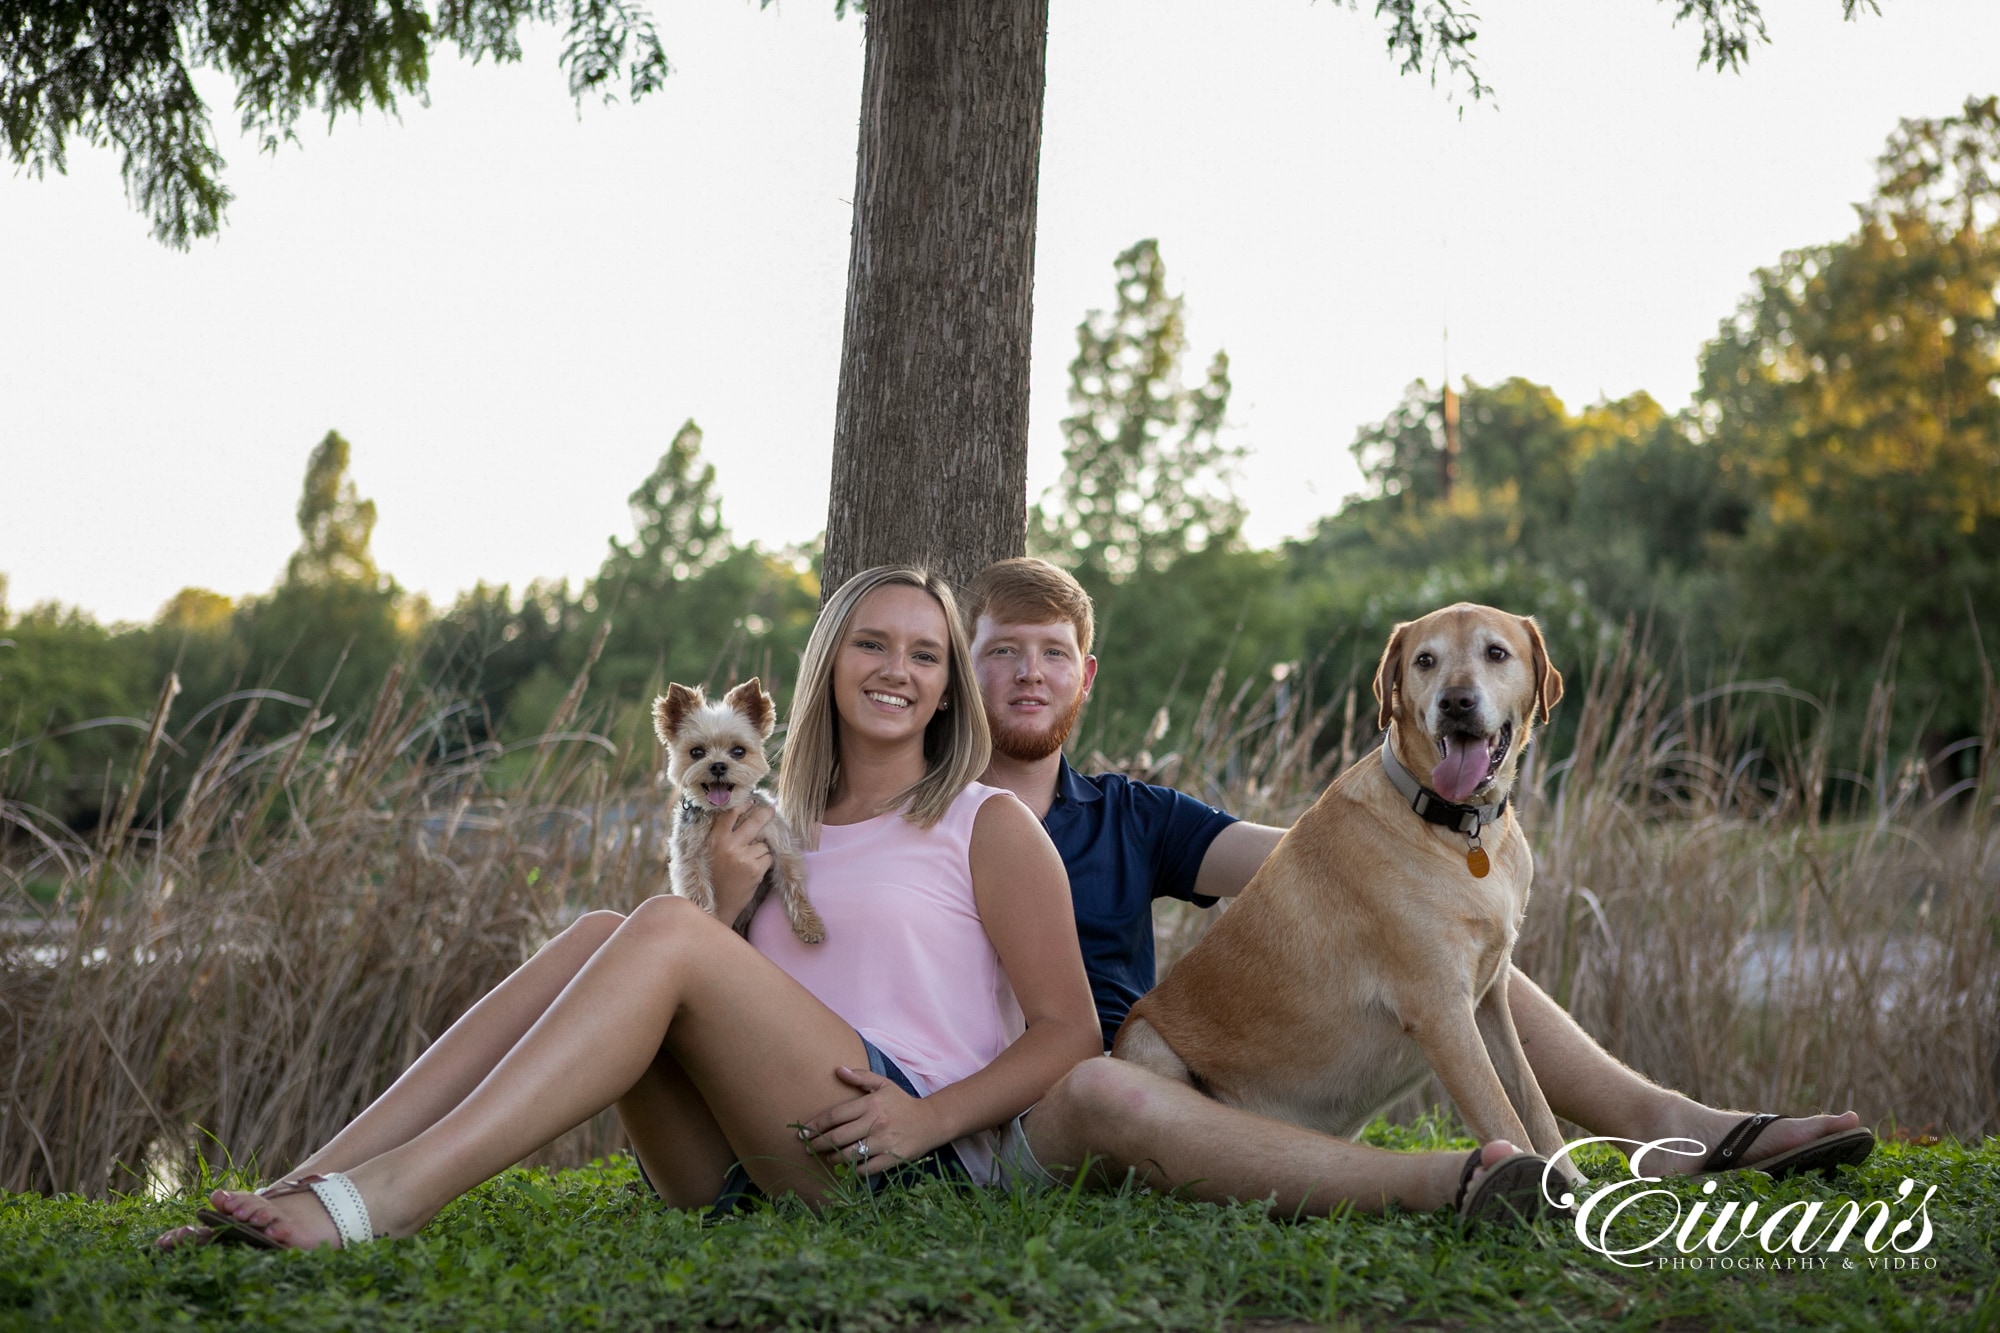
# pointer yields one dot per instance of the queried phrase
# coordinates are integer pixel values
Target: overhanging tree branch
(120, 75)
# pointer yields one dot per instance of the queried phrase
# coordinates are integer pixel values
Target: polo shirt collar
(1070, 787)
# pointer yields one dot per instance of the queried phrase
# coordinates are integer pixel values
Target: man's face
(1034, 681)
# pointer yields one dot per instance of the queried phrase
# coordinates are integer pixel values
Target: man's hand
(738, 858)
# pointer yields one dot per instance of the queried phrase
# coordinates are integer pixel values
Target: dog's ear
(1389, 678)
(750, 700)
(1548, 680)
(671, 709)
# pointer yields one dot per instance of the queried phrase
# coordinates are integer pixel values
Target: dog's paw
(807, 925)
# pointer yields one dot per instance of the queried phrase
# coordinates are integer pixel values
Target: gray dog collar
(1432, 807)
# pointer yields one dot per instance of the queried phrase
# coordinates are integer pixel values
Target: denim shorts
(740, 1192)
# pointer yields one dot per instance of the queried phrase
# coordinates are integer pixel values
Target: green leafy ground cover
(589, 1249)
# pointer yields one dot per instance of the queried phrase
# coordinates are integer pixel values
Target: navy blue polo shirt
(1124, 844)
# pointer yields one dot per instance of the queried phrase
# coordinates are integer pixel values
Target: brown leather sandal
(1510, 1192)
(1828, 1153)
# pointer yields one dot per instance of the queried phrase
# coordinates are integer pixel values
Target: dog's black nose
(718, 768)
(1458, 703)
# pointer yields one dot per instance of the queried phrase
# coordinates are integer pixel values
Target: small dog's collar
(689, 810)
(1432, 807)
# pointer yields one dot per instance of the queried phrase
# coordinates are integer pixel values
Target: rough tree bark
(930, 442)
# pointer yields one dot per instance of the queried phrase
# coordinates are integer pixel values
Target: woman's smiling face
(893, 665)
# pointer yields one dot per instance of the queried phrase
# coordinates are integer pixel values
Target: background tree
(1146, 478)
(335, 522)
(60, 673)
(684, 602)
(507, 654)
(1515, 435)
(677, 517)
(1654, 509)
(195, 637)
(1858, 384)
(334, 626)
(1146, 512)
(1514, 530)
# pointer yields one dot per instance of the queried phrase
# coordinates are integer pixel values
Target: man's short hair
(1027, 591)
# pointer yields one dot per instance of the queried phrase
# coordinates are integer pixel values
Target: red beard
(1027, 745)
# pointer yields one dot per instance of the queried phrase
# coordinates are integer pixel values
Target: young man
(1126, 843)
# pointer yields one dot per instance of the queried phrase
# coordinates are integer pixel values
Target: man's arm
(1233, 858)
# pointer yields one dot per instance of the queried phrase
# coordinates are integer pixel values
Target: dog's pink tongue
(720, 796)
(1462, 769)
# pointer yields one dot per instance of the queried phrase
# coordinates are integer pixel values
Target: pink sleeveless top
(906, 960)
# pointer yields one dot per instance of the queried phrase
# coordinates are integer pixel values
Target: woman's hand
(737, 858)
(895, 1127)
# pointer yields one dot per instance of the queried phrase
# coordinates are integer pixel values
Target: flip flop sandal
(335, 1192)
(183, 1238)
(1828, 1153)
(195, 1236)
(1509, 1193)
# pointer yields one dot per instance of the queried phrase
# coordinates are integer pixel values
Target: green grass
(589, 1248)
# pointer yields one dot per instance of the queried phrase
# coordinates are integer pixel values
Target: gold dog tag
(1476, 862)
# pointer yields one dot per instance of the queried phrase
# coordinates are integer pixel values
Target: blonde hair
(1027, 591)
(957, 745)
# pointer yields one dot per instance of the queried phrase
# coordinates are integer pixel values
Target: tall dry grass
(1733, 909)
(236, 982)
(1720, 900)
(236, 985)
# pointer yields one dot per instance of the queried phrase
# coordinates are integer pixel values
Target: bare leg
(757, 1045)
(675, 1136)
(456, 1062)
(1128, 1119)
(1587, 1085)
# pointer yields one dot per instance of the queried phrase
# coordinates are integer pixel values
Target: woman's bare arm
(1023, 895)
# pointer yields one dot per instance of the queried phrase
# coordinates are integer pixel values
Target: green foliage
(506, 654)
(1859, 386)
(1146, 478)
(1146, 513)
(333, 628)
(84, 688)
(678, 518)
(1162, 635)
(123, 76)
(333, 640)
(684, 603)
(592, 1249)
(334, 521)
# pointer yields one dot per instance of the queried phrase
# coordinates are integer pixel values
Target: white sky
(509, 309)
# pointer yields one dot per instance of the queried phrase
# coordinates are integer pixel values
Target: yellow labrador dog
(1374, 945)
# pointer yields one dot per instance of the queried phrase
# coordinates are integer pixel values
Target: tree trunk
(930, 440)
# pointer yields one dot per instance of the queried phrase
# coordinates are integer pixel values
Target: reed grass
(231, 986)
(226, 987)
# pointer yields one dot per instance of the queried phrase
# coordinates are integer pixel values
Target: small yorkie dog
(715, 758)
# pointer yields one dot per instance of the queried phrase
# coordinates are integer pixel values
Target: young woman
(950, 970)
